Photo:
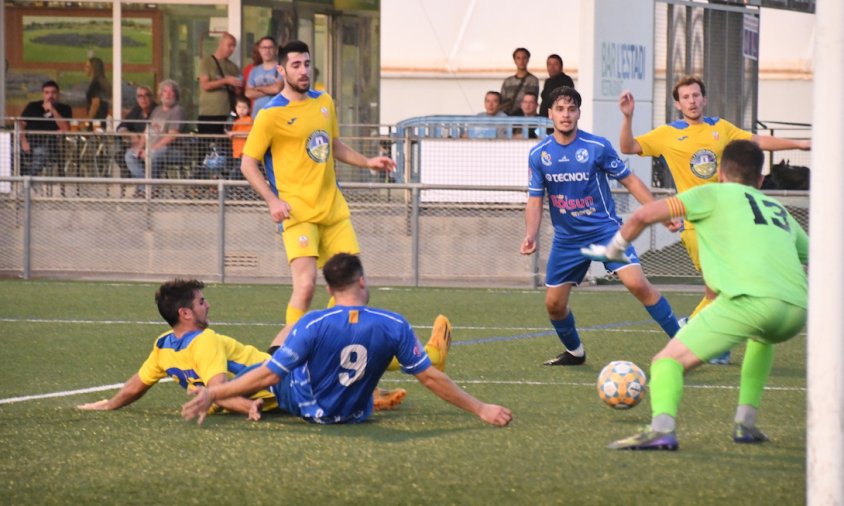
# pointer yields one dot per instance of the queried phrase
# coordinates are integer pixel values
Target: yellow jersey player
(296, 136)
(192, 354)
(691, 148)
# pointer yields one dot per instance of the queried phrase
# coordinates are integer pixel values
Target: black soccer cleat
(566, 358)
(748, 435)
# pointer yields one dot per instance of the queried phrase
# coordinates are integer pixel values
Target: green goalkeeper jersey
(749, 244)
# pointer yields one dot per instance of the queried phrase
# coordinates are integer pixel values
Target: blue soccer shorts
(567, 265)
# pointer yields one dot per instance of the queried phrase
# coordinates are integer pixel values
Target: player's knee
(557, 309)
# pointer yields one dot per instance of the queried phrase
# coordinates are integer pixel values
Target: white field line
(115, 386)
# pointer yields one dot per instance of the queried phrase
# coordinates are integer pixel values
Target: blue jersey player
(574, 168)
(329, 366)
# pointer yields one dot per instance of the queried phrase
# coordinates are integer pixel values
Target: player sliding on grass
(752, 252)
(195, 355)
(329, 365)
(574, 167)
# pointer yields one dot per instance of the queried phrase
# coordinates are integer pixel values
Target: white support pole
(825, 376)
(235, 27)
(117, 63)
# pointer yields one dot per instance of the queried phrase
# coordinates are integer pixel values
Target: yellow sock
(331, 303)
(394, 365)
(293, 314)
(703, 303)
(435, 356)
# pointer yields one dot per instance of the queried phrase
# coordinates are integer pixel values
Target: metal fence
(104, 228)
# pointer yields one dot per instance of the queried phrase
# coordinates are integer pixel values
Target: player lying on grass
(752, 253)
(194, 355)
(328, 367)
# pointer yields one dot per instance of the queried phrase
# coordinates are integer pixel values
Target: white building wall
(441, 56)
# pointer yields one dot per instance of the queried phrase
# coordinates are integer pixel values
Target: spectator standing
(514, 87)
(166, 122)
(528, 110)
(219, 83)
(264, 82)
(43, 148)
(556, 78)
(99, 91)
(256, 60)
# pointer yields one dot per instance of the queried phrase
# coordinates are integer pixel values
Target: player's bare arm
(533, 218)
(238, 404)
(348, 155)
(131, 391)
(439, 383)
(254, 380)
(627, 143)
(279, 209)
(770, 143)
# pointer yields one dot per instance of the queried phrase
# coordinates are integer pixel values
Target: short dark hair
(174, 295)
(50, 84)
(555, 57)
(521, 49)
(565, 91)
(531, 93)
(266, 37)
(342, 270)
(686, 81)
(294, 46)
(240, 99)
(742, 161)
(493, 92)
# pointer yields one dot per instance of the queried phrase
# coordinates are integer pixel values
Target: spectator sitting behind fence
(96, 98)
(514, 87)
(237, 129)
(42, 149)
(527, 110)
(135, 122)
(166, 122)
(492, 109)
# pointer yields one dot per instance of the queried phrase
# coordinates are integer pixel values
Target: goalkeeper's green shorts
(728, 322)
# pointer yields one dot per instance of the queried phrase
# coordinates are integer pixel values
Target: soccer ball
(621, 384)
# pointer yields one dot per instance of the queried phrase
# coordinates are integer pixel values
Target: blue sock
(567, 332)
(662, 314)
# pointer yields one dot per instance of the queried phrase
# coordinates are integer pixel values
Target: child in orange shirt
(237, 131)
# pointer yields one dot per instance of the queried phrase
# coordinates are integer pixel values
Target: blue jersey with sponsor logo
(576, 179)
(335, 358)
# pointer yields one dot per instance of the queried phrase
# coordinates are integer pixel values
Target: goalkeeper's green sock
(758, 360)
(666, 387)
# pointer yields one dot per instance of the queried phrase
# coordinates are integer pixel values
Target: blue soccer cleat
(650, 440)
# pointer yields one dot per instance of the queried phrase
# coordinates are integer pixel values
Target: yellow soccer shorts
(689, 239)
(320, 241)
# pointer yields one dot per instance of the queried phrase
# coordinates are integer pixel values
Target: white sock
(577, 352)
(664, 423)
(746, 415)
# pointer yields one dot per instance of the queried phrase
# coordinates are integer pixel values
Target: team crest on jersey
(716, 136)
(546, 158)
(704, 163)
(582, 155)
(318, 146)
(303, 241)
(324, 111)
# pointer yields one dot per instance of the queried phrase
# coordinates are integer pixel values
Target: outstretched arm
(238, 404)
(439, 383)
(627, 143)
(770, 143)
(131, 391)
(348, 155)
